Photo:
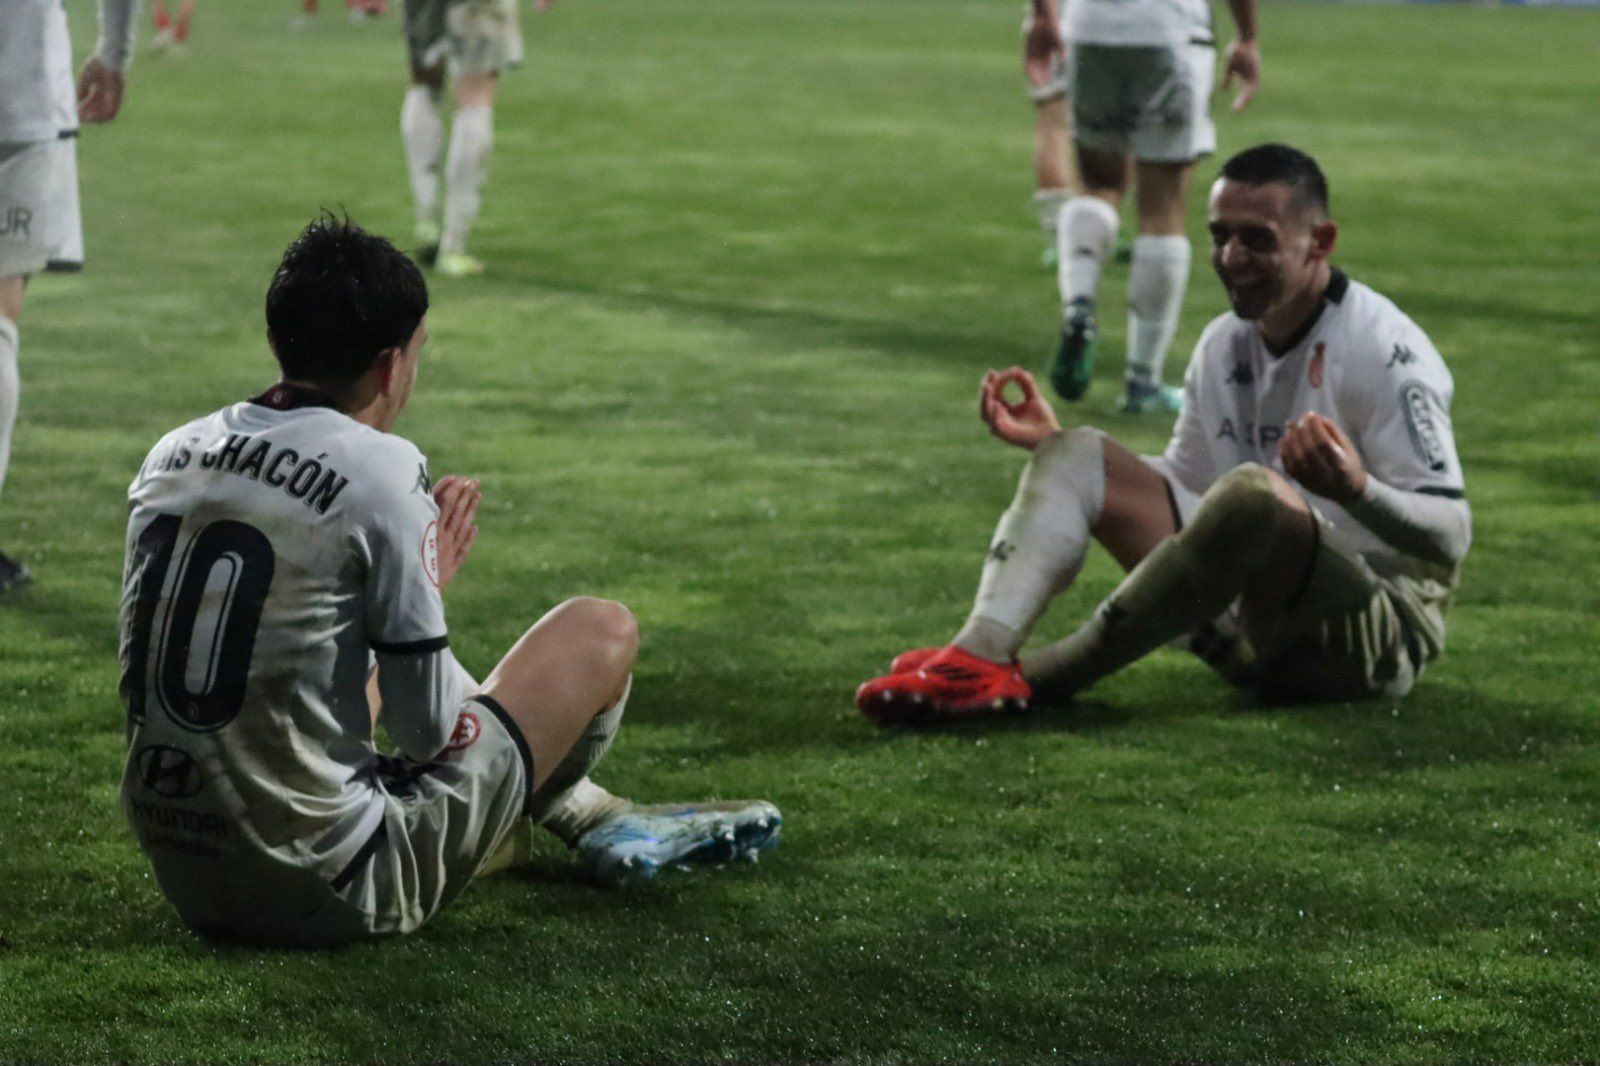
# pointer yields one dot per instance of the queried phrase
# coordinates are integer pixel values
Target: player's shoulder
(1223, 338)
(1377, 330)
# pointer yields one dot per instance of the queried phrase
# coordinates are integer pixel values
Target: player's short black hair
(1268, 163)
(339, 298)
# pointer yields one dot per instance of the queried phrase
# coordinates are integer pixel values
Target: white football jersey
(1363, 364)
(270, 545)
(1137, 22)
(27, 92)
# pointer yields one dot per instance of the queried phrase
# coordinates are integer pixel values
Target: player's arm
(1242, 60)
(101, 84)
(1435, 526)
(1041, 41)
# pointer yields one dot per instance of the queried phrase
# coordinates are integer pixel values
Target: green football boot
(1073, 366)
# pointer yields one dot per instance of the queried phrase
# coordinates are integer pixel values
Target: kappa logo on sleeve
(430, 552)
(1425, 438)
(466, 733)
(424, 483)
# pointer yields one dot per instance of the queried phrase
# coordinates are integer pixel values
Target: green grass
(748, 261)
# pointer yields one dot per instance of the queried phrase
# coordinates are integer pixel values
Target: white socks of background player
(10, 390)
(1085, 233)
(1156, 282)
(471, 138)
(422, 132)
(1040, 543)
(1047, 205)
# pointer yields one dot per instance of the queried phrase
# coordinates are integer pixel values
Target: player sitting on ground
(1304, 529)
(271, 544)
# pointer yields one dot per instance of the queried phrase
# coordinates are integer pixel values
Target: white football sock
(10, 390)
(422, 131)
(1040, 543)
(1156, 281)
(1047, 208)
(568, 803)
(471, 138)
(1085, 233)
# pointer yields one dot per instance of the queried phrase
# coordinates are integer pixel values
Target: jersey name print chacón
(1363, 364)
(271, 547)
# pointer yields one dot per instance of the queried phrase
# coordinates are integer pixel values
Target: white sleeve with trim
(1188, 453)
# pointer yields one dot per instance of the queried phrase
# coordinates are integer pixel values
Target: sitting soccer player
(1304, 529)
(271, 545)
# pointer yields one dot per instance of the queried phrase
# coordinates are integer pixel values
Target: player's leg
(180, 27)
(1156, 283)
(422, 134)
(25, 176)
(1087, 232)
(466, 167)
(1079, 485)
(1251, 539)
(1053, 179)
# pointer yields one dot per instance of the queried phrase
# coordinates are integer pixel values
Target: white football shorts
(1151, 102)
(24, 207)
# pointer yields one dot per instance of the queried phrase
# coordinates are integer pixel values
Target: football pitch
(747, 262)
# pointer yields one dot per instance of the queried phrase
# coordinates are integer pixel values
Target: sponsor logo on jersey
(1401, 356)
(430, 552)
(167, 771)
(466, 733)
(178, 820)
(1425, 437)
(1314, 372)
(1247, 433)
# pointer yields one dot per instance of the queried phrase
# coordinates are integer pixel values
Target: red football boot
(951, 684)
(908, 661)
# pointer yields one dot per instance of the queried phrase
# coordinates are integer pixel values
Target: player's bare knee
(1071, 461)
(608, 629)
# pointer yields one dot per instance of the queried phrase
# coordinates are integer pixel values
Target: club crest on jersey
(466, 733)
(1314, 372)
(430, 552)
(1425, 436)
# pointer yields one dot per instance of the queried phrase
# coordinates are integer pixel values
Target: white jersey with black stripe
(272, 546)
(1137, 23)
(1364, 364)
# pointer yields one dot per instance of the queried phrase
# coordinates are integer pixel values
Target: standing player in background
(1303, 531)
(360, 11)
(1044, 64)
(278, 547)
(1141, 78)
(471, 41)
(171, 32)
(29, 132)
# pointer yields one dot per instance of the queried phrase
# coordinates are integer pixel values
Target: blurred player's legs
(466, 167)
(1148, 104)
(1052, 169)
(25, 176)
(171, 31)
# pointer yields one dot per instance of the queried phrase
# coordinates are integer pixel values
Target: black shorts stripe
(1449, 494)
(1172, 502)
(494, 708)
(362, 857)
(411, 647)
(67, 135)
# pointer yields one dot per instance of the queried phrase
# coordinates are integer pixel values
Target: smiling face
(1269, 251)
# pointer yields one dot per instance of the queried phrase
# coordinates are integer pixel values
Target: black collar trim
(1338, 285)
(287, 397)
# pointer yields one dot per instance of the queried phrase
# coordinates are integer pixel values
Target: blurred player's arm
(100, 86)
(1041, 41)
(1243, 57)
(1430, 526)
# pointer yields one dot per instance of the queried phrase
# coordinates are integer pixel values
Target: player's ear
(387, 369)
(1324, 235)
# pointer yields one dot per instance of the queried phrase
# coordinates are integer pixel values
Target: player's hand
(99, 92)
(1024, 423)
(1041, 47)
(1242, 61)
(541, 5)
(1317, 454)
(458, 499)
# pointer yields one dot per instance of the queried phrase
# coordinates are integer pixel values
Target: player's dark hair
(1268, 163)
(340, 297)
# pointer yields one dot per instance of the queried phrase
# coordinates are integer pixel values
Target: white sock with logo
(422, 131)
(10, 389)
(1039, 545)
(471, 138)
(1156, 282)
(1085, 233)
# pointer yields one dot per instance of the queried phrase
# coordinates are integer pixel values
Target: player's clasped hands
(458, 498)
(1023, 423)
(1317, 454)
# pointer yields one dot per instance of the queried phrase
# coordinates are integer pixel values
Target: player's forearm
(420, 695)
(117, 21)
(1044, 11)
(1244, 18)
(1435, 528)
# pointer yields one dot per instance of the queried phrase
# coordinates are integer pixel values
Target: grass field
(747, 263)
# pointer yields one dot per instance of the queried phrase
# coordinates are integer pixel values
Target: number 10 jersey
(272, 546)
